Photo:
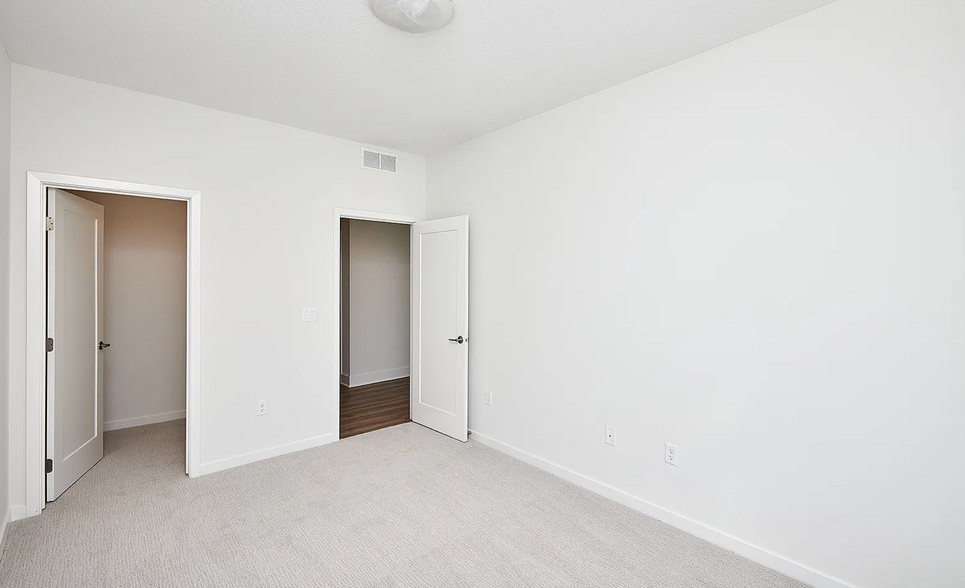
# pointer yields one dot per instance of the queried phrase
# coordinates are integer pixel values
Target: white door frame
(340, 213)
(36, 410)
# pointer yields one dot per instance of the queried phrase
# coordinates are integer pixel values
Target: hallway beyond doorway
(368, 408)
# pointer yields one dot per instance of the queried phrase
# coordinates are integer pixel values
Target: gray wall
(377, 312)
(145, 308)
(345, 300)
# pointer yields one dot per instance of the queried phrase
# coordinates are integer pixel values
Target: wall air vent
(379, 161)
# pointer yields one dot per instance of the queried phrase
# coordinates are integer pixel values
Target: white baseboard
(18, 512)
(343, 379)
(376, 377)
(7, 519)
(144, 420)
(246, 458)
(792, 569)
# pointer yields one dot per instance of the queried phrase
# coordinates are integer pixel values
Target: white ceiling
(330, 66)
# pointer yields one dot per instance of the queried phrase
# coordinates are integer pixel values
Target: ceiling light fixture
(413, 16)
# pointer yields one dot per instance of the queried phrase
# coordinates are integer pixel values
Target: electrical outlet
(308, 315)
(489, 398)
(671, 454)
(262, 407)
(611, 436)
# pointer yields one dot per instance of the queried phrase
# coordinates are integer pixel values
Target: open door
(439, 376)
(75, 299)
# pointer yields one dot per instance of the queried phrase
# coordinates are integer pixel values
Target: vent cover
(379, 161)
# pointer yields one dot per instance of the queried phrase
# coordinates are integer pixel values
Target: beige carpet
(398, 507)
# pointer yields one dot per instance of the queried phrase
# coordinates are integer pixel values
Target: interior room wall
(5, 80)
(345, 301)
(268, 197)
(145, 308)
(756, 254)
(379, 302)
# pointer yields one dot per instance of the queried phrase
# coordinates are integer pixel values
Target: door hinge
(50, 465)
(50, 344)
(50, 223)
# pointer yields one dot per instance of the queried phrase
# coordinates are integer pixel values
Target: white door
(75, 298)
(439, 384)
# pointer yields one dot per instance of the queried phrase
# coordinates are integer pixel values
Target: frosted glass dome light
(413, 16)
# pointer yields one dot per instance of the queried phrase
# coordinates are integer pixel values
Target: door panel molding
(75, 320)
(439, 380)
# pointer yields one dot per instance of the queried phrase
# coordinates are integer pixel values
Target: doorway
(438, 320)
(374, 325)
(116, 318)
(38, 184)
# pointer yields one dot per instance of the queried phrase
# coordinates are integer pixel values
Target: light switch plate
(308, 315)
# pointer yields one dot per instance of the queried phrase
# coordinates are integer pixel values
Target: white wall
(5, 76)
(268, 194)
(379, 302)
(756, 254)
(145, 308)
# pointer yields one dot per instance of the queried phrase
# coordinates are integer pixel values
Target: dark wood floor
(376, 406)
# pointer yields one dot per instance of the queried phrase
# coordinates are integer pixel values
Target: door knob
(102, 346)
(458, 340)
